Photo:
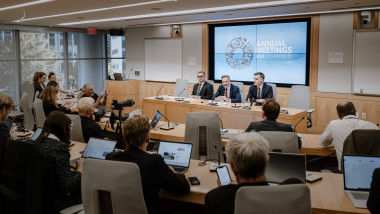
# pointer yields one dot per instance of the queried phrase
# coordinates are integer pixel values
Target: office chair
(274, 88)
(203, 131)
(284, 199)
(39, 113)
(300, 98)
(212, 83)
(135, 112)
(28, 88)
(181, 84)
(241, 88)
(76, 133)
(286, 142)
(28, 114)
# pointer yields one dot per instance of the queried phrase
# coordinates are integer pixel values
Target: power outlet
(364, 115)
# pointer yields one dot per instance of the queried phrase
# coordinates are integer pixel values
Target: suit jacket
(4, 132)
(155, 174)
(234, 93)
(90, 128)
(38, 87)
(373, 204)
(266, 93)
(271, 125)
(206, 92)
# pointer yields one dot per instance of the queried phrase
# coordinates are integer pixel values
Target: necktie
(199, 89)
(258, 93)
(226, 94)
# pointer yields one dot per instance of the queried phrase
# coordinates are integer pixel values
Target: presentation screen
(279, 49)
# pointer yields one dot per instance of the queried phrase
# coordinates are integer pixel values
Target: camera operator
(86, 110)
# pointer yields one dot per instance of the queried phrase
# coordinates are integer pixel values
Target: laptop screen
(358, 170)
(98, 148)
(283, 166)
(36, 134)
(175, 154)
(155, 120)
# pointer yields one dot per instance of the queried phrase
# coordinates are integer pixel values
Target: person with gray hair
(88, 91)
(202, 89)
(86, 111)
(248, 156)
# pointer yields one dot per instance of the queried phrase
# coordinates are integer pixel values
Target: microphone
(235, 106)
(157, 97)
(212, 102)
(129, 74)
(213, 166)
(222, 129)
(167, 127)
(180, 99)
(294, 129)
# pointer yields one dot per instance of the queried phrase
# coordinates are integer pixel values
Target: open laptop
(283, 166)
(357, 173)
(98, 148)
(36, 134)
(155, 120)
(176, 155)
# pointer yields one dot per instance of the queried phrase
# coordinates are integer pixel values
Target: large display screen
(279, 49)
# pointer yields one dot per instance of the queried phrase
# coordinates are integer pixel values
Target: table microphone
(157, 97)
(180, 99)
(212, 102)
(235, 106)
(213, 166)
(294, 129)
(167, 127)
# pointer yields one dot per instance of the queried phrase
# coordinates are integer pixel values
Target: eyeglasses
(199, 76)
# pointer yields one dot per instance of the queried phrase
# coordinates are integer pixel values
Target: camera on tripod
(115, 105)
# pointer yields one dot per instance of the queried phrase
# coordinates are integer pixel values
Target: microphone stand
(167, 127)
(213, 166)
(180, 99)
(294, 129)
(212, 102)
(157, 97)
(235, 106)
(129, 74)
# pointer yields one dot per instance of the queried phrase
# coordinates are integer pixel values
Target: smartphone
(223, 175)
(194, 180)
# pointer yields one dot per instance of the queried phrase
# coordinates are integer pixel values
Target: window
(116, 55)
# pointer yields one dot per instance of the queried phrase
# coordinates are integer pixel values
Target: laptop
(357, 174)
(98, 148)
(176, 155)
(155, 120)
(36, 134)
(283, 166)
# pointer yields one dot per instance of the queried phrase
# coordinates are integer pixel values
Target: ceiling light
(100, 9)
(25, 4)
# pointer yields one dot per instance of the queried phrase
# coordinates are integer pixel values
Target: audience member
(228, 92)
(373, 204)
(248, 155)
(88, 91)
(6, 106)
(54, 140)
(259, 91)
(49, 100)
(52, 77)
(202, 89)
(155, 174)
(86, 111)
(338, 130)
(53, 84)
(38, 81)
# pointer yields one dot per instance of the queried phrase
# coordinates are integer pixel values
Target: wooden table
(232, 118)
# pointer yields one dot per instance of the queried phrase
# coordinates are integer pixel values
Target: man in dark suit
(259, 91)
(203, 89)
(373, 204)
(155, 174)
(6, 106)
(271, 110)
(227, 91)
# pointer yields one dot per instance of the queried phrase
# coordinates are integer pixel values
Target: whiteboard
(163, 59)
(366, 63)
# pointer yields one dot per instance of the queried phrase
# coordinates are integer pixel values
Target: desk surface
(327, 195)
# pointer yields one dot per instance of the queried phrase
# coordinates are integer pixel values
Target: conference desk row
(327, 195)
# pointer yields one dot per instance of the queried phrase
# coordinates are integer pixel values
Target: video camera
(115, 105)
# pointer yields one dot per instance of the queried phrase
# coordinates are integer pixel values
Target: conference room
(155, 49)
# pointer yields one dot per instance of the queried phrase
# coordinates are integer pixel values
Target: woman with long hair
(54, 141)
(49, 100)
(38, 81)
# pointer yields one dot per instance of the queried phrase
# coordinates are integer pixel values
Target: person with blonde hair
(49, 101)
(86, 111)
(6, 107)
(88, 91)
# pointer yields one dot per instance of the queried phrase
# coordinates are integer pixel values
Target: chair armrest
(72, 209)
(310, 111)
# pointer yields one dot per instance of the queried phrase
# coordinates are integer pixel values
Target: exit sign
(91, 31)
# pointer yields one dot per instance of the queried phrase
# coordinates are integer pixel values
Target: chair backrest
(211, 82)
(299, 97)
(274, 88)
(284, 199)
(28, 88)
(362, 142)
(286, 142)
(76, 133)
(203, 131)
(181, 84)
(135, 112)
(241, 88)
(28, 113)
(121, 192)
(39, 112)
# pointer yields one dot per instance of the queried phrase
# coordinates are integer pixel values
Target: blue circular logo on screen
(239, 53)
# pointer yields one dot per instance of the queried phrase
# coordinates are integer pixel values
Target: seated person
(228, 92)
(88, 91)
(338, 130)
(54, 142)
(248, 155)
(49, 101)
(52, 77)
(38, 82)
(155, 174)
(373, 204)
(6, 107)
(202, 89)
(53, 84)
(259, 91)
(86, 111)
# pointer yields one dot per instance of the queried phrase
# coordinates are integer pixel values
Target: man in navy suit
(259, 91)
(227, 91)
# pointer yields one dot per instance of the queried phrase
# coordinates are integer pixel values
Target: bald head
(345, 108)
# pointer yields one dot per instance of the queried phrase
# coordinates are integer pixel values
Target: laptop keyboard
(360, 195)
(180, 170)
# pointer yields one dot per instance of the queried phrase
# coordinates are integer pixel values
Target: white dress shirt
(337, 131)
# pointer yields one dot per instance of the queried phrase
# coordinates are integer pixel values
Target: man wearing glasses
(203, 89)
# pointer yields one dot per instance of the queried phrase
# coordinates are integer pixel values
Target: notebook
(155, 120)
(283, 166)
(98, 148)
(176, 155)
(357, 174)
(36, 134)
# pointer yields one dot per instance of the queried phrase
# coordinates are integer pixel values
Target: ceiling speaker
(116, 32)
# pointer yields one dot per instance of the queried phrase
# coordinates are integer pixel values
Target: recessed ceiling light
(25, 4)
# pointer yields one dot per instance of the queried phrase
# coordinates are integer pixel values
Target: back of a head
(135, 130)
(248, 153)
(52, 84)
(49, 94)
(85, 103)
(6, 101)
(345, 108)
(56, 123)
(271, 109)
